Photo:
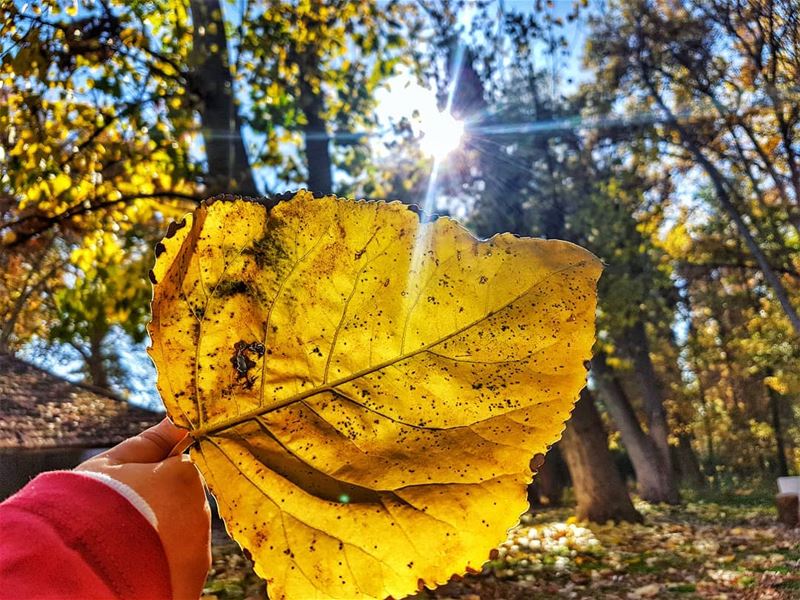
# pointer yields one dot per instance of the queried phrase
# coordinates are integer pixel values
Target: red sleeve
(64, 536)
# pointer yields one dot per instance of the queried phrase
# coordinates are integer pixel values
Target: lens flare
(441, 134)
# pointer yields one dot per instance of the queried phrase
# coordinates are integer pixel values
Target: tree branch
(48, 222)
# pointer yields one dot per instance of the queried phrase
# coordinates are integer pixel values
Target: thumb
(150, 446)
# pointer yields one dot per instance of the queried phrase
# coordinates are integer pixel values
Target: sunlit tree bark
(599, 489)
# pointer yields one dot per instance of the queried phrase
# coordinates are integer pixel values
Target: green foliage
(103, 109)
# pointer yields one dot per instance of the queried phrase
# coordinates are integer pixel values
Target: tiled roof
(41, 410)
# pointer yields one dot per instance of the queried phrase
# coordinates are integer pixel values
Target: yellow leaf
(365, 392)
(60, 183)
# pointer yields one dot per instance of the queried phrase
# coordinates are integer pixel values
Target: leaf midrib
(204, 432)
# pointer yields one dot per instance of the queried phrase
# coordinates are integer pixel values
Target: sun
(438, 132)
(441, 134)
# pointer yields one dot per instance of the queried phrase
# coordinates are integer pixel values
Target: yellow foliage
(365, 392)
(60, 183)
(678, 241)
(784, 383)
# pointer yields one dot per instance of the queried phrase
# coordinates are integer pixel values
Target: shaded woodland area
(662, 136)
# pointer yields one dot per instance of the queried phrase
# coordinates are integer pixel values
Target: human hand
(172, 487)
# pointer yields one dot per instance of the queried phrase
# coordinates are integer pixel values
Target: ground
(721, 546)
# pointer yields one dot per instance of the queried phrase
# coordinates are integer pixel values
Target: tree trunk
(599, 489)
(777, 426)
(688, 466)
(708, 429)
(318, 157)
(550, 480)
(655, 481)
(636, 346)
(228, 166)
(95, 362)
(315, 133)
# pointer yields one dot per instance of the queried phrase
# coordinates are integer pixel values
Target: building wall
(18, 467)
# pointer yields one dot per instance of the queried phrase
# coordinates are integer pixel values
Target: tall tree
(585, 449)
(323, 63)
(718, 76)
(654, 477)
(738, 353)
(556, 182)
(520, 184)
(26, 280)
(109, 295)
(211, 80)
